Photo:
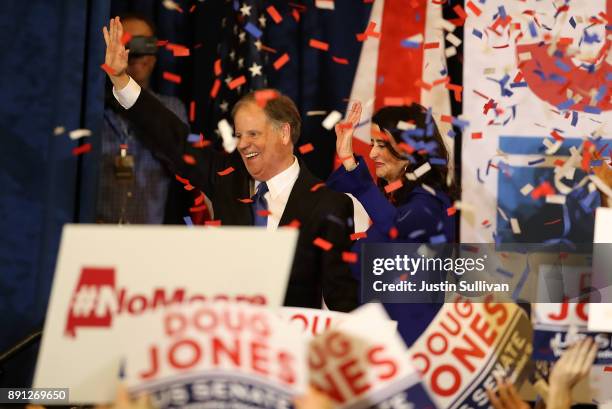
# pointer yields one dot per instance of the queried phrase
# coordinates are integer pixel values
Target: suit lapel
(296, 206)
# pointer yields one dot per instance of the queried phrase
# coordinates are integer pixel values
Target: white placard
(107, 275)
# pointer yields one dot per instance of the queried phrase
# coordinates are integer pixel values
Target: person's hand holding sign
(506, 396)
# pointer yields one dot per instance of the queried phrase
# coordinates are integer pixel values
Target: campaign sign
(467, 345)
(361, 364)
(107, 276)
(313, 322)
(217, 355)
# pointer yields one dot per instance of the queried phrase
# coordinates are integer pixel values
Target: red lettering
(496, 308)
(174, 323)
(464, 309)
(186, 345)
(331, 389)
(354, 377)
(302, 318)
(457, 325)
(260, 325)
(154, 364)
(137, 304)
(424, 357)
(316, 357)
(159, 297)
(482, 330)
(435, 380)
(562, 314)
(379, 361)
(430, 344)
(286, 371)
(219, 349)
(581, 311)
(340, 348)
(205, 320)
(461, 353)
(259, 360)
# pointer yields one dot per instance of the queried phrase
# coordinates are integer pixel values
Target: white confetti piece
(450, 52)
(79, 133)
(525, 190)
(502, 213)
(446, 25)
(171, 5)
(453, 39)
(331, 120)
(58, 130)
(227, 134)
(555, 199)
(516, 229)
(315, 113)
(325, 4)
(551, 147)
(411, 176)
(428, 188)
(489, 71)
(423, 169)
(418, 38)
(463, 206)
(404, 126)
(526, 56)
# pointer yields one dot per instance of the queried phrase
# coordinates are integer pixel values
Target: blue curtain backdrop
(49, 77)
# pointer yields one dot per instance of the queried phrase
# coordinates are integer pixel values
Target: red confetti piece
(264, 213)
(192, 107)
(349, 257)
(304, 149)
(485, 222)
(457, 89)
(235, 83)
(79, 150)
(181, 179)
(296, 15)
(178, 50)
(295, 223)
(262, 97)
(476, 135)
(188, 187)
(162, 43)
(192, 9)
(282, 60)
(168, 76)
(199, 200)
(226, 172)
(460, 12)
(393, 186)
(557, 136)
(322, 243)
(607, 369)
(451, 210)
(215, 89)
(212, 223)
(369, 32)
(276, 17)
(246, 201)
(190, 160)
(339, 60)
(359, 235)
(428, 46)
(559, 162)
(218, 67)
(107, 69)
(474, 8)
(319, 45)
(197, 209)
(553, 222)
(406, 147)
(125, 38)
(446, 118)
(393, 233)
(545, 189)
(317, 187)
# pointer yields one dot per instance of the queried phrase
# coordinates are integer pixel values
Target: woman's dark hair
(427, 143)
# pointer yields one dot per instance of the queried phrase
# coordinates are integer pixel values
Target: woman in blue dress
(413, 165)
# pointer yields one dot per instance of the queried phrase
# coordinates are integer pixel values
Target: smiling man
(281, 189)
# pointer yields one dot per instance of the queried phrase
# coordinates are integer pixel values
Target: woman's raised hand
(344, 135)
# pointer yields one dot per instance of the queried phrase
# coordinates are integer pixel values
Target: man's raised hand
(116, 59)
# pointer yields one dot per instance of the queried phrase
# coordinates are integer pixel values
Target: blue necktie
(259, 204)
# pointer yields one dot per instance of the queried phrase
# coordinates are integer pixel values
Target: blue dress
(420, 217)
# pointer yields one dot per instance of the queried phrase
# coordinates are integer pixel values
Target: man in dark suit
(260, 183)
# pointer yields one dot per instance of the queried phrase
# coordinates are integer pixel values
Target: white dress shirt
(279, 187)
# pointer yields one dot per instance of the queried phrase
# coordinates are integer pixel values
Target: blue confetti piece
(502, 12)
(438, 239)
(410, 44)
(437, 161)
(532, 29)
(236, 5)
(592, 110)
(506, 273)
(572, 22)
(429, 116)
(188, 220)
(416, 233)
(478, 176)
(504, 80)
(477, 33)
(253, 30)
(565, 104)
(535, 162)
(521, 282)
(558, 78)
(417, 17)
(574, 118)
(601, 92)
(443, 71)
(609, 76)
(562, 66)
(590, 39)
(193, 137)
(595, 163)
(518, 84)
(461, 123)
(451, 133)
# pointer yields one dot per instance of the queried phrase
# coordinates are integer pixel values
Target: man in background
(133, 186)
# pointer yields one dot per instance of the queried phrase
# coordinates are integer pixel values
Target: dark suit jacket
(321, 213)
